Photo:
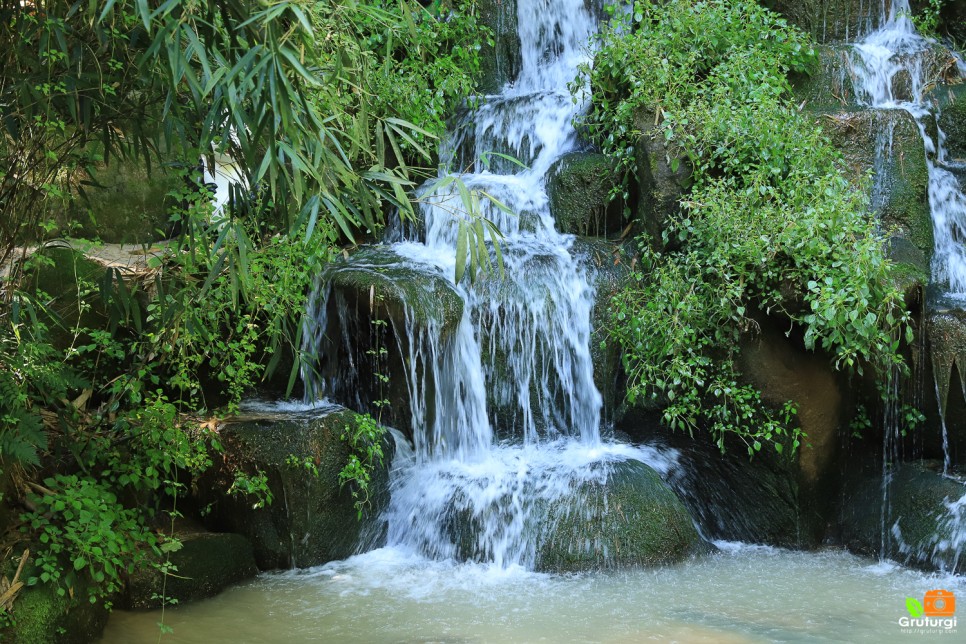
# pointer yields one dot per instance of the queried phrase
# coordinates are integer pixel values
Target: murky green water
(741, 594)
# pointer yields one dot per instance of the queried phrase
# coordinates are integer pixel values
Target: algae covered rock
(660, 180)
(628, 518)
(926, 512)
(311, 519)
(579, 185)
(374, 312)
(829, 20)
(206, 564)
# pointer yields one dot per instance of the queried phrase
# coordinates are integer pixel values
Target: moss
(312, 519)
(579, 186)
(952, 118)
(828, 20)
(828, 87)
(632, 519)
(921, 529)
(380, 275)
(41, 617)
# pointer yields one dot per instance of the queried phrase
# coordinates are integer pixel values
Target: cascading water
(889, 73)
(511, 422)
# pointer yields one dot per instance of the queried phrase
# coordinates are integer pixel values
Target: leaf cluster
(771, 226)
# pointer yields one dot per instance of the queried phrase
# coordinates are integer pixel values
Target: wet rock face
(829, 20)
(579, 185)
(377, 312)
(312, 518)
(888, 144)
(952, 119)
(945, 429)
(500, 62)
(630, 519)
(659, 186)
(924, 522)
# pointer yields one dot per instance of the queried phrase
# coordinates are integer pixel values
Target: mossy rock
(380, 310)
(828, 85)
(730, 496)
(41, 616)
(501, 61)
(946, 344)
(206, 564)
(920, 528)
(910, 272)
(660, 181)
(398, 287)
(129, 205)
(889, 144)
(952, 118)
(628, 518)
(312, 519)
(579, 185)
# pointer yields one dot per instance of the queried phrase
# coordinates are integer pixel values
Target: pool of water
(741, 593)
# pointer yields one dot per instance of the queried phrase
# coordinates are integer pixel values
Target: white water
(505, 413)
(742, 594)
(889, 73)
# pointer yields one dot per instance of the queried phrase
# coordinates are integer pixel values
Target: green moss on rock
(579, 185)
(630, 518)
(828, 20)
(312, 519)
(952, 118)
(41, 616)
(378, 275)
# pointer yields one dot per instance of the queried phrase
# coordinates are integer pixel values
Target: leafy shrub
(770, 227)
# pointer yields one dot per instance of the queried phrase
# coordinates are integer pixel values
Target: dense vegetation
(770, 227)
(329, 109)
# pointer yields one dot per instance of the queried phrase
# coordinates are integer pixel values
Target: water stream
(523, 346)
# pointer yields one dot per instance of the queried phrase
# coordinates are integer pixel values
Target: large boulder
(952, 118)
(628, 518)
(610, 271)
(312, 518)
(944, 433)
(579, 185)
(660, 179)
(206, 564)
(731, 496)
(784, 372)
(924, 521)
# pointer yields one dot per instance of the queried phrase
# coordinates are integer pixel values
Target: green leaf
(914, 607)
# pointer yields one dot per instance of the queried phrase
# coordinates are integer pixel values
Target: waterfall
(505, 421)
(889, 73)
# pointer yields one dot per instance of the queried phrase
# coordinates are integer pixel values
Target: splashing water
(889, 69)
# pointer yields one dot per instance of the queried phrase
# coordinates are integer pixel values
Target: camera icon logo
(939, 603)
